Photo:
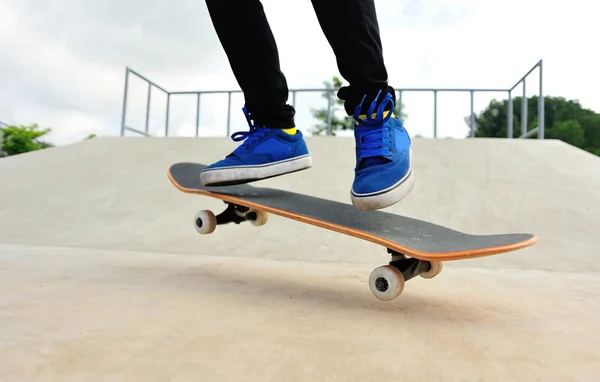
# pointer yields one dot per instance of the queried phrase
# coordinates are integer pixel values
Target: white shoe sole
(242, 174)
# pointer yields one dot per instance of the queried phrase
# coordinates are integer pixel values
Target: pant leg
(248, 41)
(352, 30)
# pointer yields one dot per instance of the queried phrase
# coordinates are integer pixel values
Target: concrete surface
(103, 277)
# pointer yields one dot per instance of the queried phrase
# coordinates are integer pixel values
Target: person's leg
(352, 30)
(248, 42)
(383, 172)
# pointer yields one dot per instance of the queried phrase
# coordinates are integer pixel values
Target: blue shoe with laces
(266, 152)
(383, 172)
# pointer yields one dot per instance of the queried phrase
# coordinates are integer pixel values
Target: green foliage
(565, 119)
(22, 139)
(569, 131)
(346, 122)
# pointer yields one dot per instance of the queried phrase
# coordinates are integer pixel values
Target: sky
(62, 62)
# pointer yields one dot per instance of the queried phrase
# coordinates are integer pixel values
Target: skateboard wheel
(205, 222)
(386, 282)
(436, 268)
(258, 218)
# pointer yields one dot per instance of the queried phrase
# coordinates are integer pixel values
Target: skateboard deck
(402, 236)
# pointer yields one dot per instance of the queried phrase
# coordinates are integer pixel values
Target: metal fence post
(472, 114)
(329, 107)
(435, 113)
(524, 109)
(541, 110)
(148, 106)
(198, 113)
(167, 116)
(228, 113)
(124, 111)
(509, 115)
(400, 104)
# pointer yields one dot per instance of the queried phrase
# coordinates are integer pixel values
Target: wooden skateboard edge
(427, 256)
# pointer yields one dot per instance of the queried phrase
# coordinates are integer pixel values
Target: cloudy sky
(62, 62)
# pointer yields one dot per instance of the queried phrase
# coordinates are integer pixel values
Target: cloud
(68, 57)
(64, 61)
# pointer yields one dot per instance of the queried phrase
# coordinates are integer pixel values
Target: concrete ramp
(102, 275)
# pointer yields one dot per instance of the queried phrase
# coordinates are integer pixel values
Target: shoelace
(374, 141)
(379, 117)
(251, 136)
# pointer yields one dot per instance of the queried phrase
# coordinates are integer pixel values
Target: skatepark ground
(104, 278)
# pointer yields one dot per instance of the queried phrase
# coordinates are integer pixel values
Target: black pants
(351, 28)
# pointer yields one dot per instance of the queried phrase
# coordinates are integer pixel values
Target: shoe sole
(246, 174)
(389, 196)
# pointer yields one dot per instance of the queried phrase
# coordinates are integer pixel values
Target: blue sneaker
(267, 152)
(383, 172)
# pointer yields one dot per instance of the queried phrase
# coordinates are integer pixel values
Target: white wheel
(261, 217)
(386, 282)
(205, 222)
(436, 268)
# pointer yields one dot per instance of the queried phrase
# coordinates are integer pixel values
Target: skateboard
(417, 248)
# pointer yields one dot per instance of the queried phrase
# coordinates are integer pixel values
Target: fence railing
(293, 92)
(538, 129)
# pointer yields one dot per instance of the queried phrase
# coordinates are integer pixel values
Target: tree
(345, 122)
(22, 139)
(565, 119)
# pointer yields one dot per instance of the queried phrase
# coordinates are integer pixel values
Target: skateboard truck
(206, 222)
(387, 282)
